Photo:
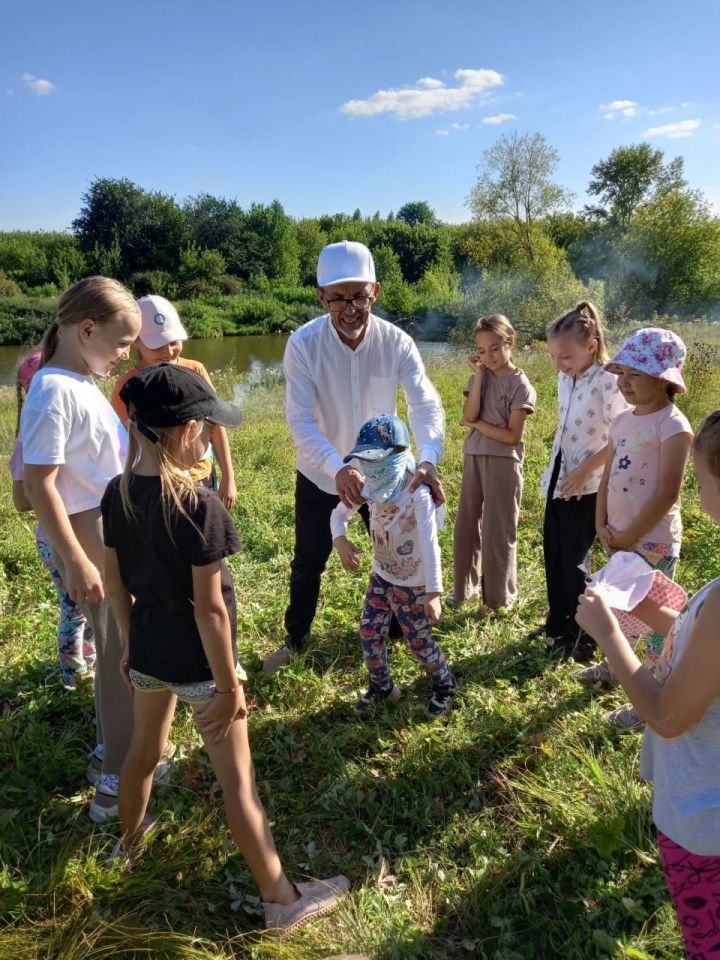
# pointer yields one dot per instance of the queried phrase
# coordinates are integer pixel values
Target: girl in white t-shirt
(638, 503)
(681, 704)
(406, 578)
(588, 402)
(73, 444)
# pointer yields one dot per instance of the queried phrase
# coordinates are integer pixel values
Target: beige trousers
(485, 540)
(113, 703)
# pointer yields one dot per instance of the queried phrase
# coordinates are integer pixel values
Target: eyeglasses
(359, 303)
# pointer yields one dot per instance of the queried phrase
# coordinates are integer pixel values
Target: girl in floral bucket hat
(638, 503)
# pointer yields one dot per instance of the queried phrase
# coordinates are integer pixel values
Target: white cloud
(459, 126)
(619, 108)
(684, 104)
(41, 87)
(499, 118)
(655, 113)
(442, 133)
(428, 96)
(683, 128)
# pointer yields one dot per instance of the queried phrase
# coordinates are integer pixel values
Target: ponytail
(49, 343)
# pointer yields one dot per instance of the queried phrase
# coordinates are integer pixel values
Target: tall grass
(514, 829)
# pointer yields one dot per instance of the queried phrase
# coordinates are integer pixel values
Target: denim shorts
(199, 692)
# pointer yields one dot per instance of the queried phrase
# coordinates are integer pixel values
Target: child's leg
(502, 480)
(153, 713)
(71, 624)
(466, 537)
(374, 627)
(408, 606)
(232, 762)
(694, 885)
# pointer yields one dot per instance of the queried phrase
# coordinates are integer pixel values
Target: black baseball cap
(166, 395)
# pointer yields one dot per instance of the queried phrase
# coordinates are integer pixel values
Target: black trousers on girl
(568, 534)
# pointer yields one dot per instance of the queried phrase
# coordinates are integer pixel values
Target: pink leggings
(694, 884)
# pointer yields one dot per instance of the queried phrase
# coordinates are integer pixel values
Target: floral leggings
(75, 641)
(694, 885)
(382, 600)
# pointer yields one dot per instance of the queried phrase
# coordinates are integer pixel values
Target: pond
(244, 353)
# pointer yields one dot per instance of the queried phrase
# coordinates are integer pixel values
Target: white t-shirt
(67, 421)
(331, 390)
(405, 538)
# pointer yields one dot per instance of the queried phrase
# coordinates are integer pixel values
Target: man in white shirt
(341, 369)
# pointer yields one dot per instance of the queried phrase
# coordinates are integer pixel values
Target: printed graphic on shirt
(632, 467)
(395, 559)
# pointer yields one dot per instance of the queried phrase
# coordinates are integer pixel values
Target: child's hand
(572, 485)
(604, 538)
(83, 581)
(595, 617)
(618, 539)
(433, 609)
(475, 363)
(349, 554)
(227, 492)
(215, 717)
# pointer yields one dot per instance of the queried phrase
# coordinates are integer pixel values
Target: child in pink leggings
(681, 706)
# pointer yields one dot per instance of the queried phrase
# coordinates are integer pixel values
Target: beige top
(498, 398)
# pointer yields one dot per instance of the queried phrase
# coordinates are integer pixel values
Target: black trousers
(313, 546)
(568, 534)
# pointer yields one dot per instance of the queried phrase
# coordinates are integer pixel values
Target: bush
(43, 291)
(8, 287)
(23, 321)
(201, 319)
(197, 289)
(157, 282)
(230, 286)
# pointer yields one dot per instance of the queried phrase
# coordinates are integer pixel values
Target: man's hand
(349, 482)
(348, 553)
(427, 473)
(433, 609)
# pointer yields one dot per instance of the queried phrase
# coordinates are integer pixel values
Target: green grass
(515, 828)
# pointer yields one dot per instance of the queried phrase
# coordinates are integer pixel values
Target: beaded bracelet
(231, 690)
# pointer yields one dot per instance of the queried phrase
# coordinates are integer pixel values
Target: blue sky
(331, 106)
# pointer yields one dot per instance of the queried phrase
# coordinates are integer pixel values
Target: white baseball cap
(160, 322)
(345, 262)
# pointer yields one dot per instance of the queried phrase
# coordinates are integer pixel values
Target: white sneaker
(105, 803)
(597, 673)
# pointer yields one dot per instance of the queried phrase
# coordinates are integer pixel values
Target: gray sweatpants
(485, 539)
(113, 703)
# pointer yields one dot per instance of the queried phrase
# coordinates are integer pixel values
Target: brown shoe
(317, 899)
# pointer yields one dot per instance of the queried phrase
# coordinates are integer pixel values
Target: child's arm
(83, 579)
(121, 602)
(430, 552)
(221, 445)
(677, 705)
(659, 619)
(339, 519)
(673, 456)
(20, 500)
(471, 407)
(601, 504)
(213, 623)
(512, 434)
(574, 482)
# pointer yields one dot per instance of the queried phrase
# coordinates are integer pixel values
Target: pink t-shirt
(636, 442)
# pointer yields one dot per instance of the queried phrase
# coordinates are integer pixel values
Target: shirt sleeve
(340, 518)
(208, 534)
(301, 414)
(671, 426)
(16, 464)
(45, 434)
(425, 411)
(428, 539)
(524, 397)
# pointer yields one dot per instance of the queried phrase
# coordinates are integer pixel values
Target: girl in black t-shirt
(165, 542)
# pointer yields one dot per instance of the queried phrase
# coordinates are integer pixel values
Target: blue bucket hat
(378, 438)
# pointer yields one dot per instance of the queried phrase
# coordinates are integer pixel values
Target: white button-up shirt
(332, 390)
(588, 404)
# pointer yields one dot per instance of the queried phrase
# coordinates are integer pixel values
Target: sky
(331, 106)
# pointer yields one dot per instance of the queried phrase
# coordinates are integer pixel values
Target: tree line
(647, 244)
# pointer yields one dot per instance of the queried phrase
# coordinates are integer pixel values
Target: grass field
(515, 828)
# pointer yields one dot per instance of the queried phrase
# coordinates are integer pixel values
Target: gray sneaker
(317, 899)
(277, 659)
(597, 673)
(626, 719)
(162, 771)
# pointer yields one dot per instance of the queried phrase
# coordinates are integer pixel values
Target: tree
(148, 227)
(311, 240)
(218, 224)
(416, 213)
(628, 177)
(515, 184)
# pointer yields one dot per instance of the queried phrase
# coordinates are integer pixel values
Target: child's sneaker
(626, 719)
(597, 673)
(105, 801)
(161, 774)
(317, 899)
(439, 702)
(374, 695)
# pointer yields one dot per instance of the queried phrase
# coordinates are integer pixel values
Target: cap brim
(226, 415)
(155, 342)
(367, 453)
(334, 283)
